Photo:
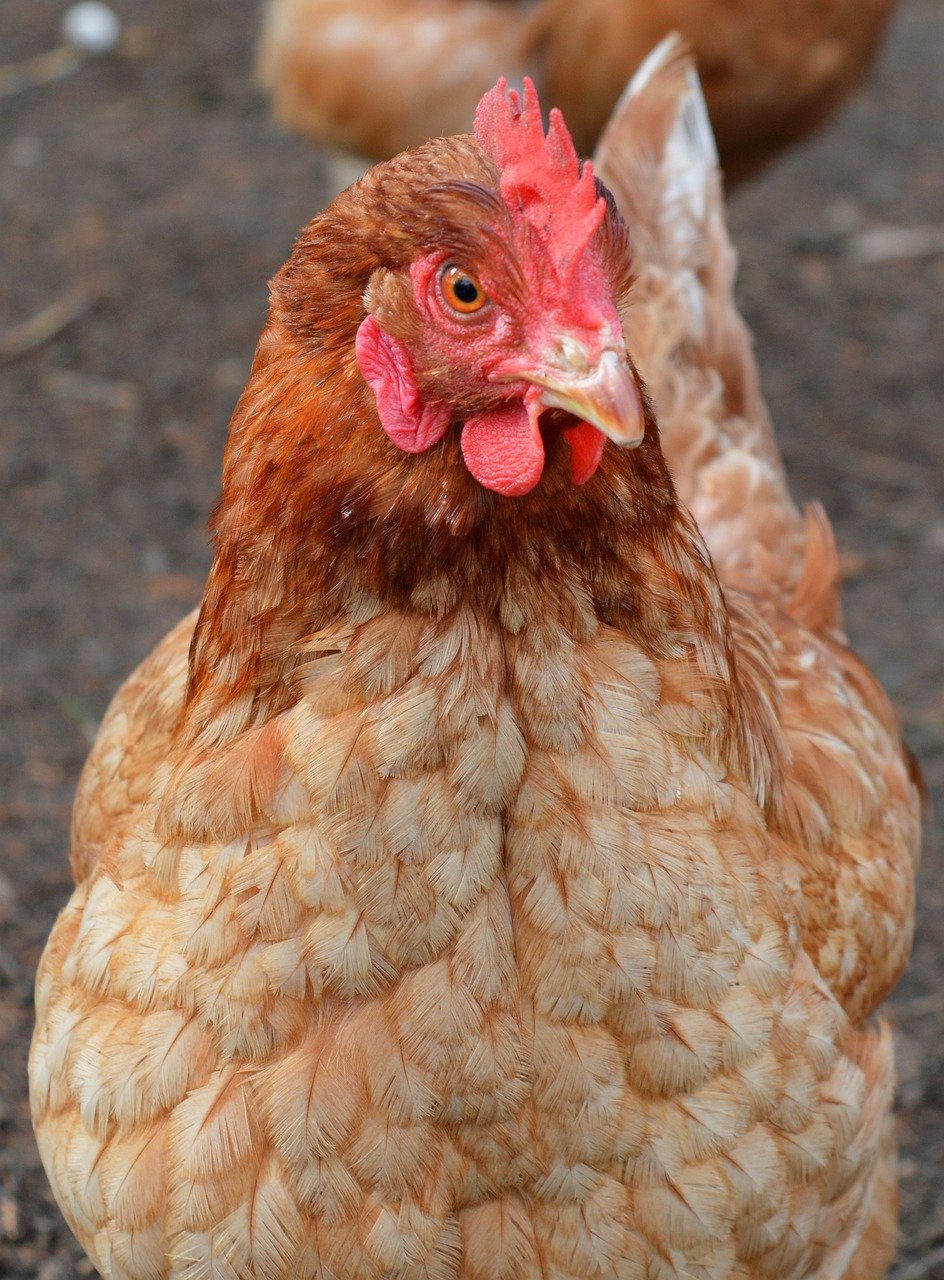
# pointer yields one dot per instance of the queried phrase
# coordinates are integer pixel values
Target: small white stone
(91, 26)
(26, 151)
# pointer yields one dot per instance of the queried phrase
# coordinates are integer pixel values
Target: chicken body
(519, 918)
(380, 75)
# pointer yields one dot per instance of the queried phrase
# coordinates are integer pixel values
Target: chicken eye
(461, 291)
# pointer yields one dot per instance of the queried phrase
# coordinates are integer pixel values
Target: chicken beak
(606, 395)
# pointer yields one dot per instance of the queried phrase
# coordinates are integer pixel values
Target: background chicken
(380, 75)
(544, 914)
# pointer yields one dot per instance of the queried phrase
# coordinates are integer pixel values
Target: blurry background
(144, 202)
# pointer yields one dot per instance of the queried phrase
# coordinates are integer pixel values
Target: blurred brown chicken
(380, 75)
(491, 884)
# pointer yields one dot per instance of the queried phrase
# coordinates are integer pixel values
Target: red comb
(540, 176)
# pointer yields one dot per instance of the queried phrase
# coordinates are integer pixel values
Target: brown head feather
(319, 510)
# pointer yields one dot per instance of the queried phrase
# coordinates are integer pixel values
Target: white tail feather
(681, 323)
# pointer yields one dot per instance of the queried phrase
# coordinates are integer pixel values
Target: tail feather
(661, 124)
(816, 601)
(658, 157)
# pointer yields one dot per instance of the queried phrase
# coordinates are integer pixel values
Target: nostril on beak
(574, 355)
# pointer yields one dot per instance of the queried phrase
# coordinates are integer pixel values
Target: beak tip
(607, 396)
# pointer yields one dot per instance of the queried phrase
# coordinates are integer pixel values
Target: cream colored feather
(487, 957)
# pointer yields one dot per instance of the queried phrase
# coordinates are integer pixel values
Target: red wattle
(504, 450)
(586, 450)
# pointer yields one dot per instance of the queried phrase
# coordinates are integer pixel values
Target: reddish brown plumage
(312, 489)
(500, 892)
(380, 75)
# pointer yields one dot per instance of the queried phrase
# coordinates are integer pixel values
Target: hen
(486, 885)
(380, 75)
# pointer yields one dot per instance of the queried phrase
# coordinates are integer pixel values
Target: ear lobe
(385, 363)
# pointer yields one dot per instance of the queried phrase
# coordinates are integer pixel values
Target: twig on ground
(881, 468)
(108, 393)
(920, 1268)
(54, 64)
(46, 324)
(896, 244)
(932, 1002)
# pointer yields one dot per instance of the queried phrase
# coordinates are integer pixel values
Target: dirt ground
(149, 195)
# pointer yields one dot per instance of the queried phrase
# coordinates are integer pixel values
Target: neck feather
(319, 511)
